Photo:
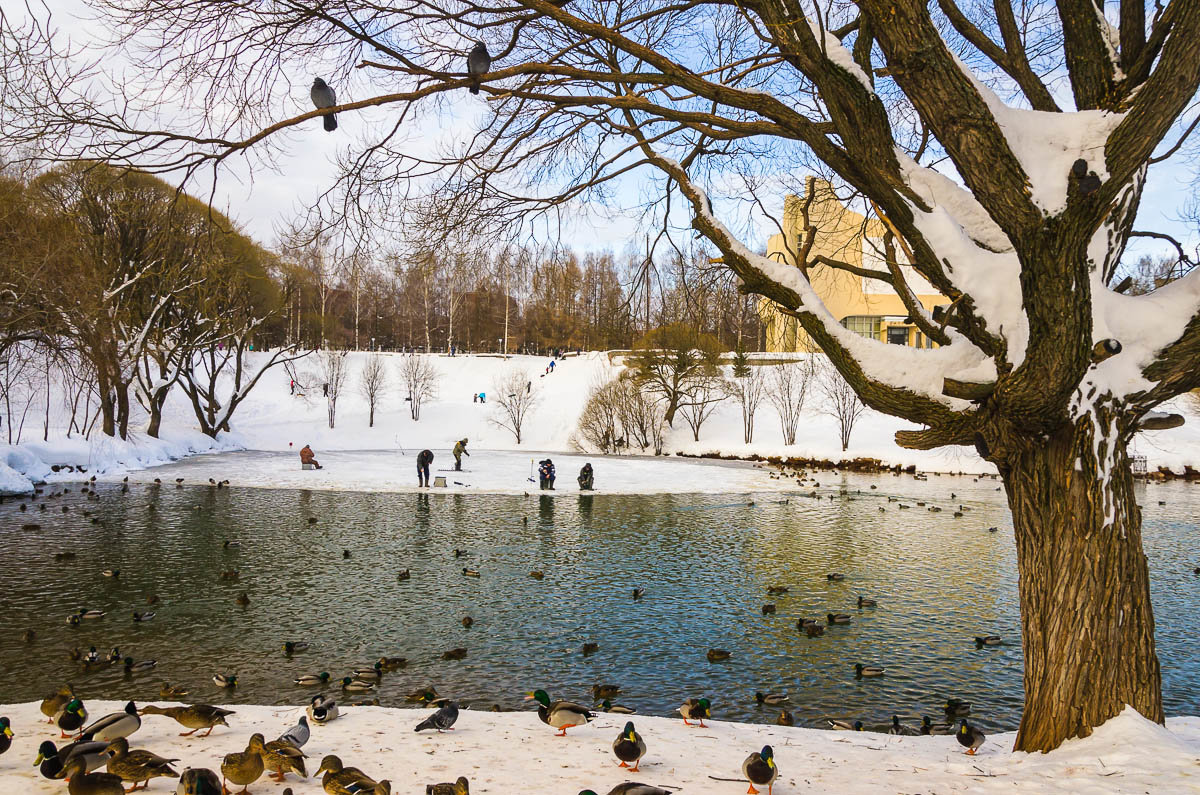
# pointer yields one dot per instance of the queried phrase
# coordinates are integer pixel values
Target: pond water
(705, 562)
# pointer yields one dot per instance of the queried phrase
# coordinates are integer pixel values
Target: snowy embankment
(273, 419)
(507, 753)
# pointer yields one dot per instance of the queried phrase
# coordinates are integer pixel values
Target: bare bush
(420, 378)
(515, 398)
(702, 398)
(332, 368)
(748, 391)
(599, 423)
(642, 416)
(372, 383)
(840, 401)
(787, 386)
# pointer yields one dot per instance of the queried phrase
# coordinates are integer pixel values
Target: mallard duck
(638, 593)
(929, 727)
(470, 572)
(297, 735)
(772, 699)
(6, 735)
(242, 767)
(423, 696)
(459, 787)
(232, 543)
(760, 769)
(352, 685)
(71, 717)
(243, 599)
(455, 654)
(54, 702)
(372, 674)
(322, 710)
(899, 728)
(846, 726)
(341, 780)
(312, 679)
(866, 671)
(590, 648)
(717, 655)
(562, 715)
(83, 782)
(442, 720)
(392, 663)
(865, 603)
(194, 717)
(537, 574)
(607, 706)
(170, 691)
(775, 590)
(629, 747)
(814, 630)
(113, 573)
(51, 761)
(837, 618)
(404, 575)
(768, 609)
(280, 757)
(835, 577)
(115, 725)
(988, 640)
(969, 737)
(147, 616)
(225, 680)
(600, 692)
(132, 667)
(90, 615)
(28, 636)
(293, 646)
(114, 655)
(697, 709)
(199, 781)
(785, 718)
(138, 765)
(73, 619)
(957, 708)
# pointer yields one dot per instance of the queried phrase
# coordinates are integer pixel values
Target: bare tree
(787, 386)
(1040, 364)
(749, 391)
(599, 422)
(704, 394)
(372, 383)
(514, 400)
(420, 377)
(331, 367)
(839, 400)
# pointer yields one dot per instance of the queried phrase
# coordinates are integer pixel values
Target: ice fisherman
(424, 459)
(460, 449)
(586, 478)
(306, 457)
(546, 474)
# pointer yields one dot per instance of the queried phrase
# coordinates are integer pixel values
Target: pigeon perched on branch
(324, 97)
(478, 63)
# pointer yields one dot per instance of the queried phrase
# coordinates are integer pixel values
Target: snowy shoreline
(507, 753)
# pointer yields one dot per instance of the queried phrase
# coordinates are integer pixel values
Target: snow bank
(507, 753)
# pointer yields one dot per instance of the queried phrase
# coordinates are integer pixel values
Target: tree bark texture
(1088, 625)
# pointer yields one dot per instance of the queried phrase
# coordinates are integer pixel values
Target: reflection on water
(705, 562)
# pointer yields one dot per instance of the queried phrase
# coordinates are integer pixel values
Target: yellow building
(868, 306)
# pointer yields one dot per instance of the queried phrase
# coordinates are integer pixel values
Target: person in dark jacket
(586, 478)
(546, 474)
(306, 457)
(424, 459)
(460, 449)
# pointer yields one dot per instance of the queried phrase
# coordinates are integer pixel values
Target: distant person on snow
(586, 478)
(475, 397)
(306, 457)
(483, 397)
(546, 474)
(460, 449)
(424, 459)
(552, 365)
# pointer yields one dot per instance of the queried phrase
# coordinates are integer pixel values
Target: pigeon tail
(331, 122)
(474, 89)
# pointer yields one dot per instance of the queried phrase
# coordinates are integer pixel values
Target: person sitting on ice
(307, 461)
(586, 478)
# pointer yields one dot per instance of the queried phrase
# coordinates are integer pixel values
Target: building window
(864, 325)
(897, 335)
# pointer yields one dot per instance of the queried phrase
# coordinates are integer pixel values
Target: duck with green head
(629, 747)
(312, 679)
(617, 709)
(6, 735)
(51, 761)
(72, 717)
(697, 709)
(562, 715)
(760, 769)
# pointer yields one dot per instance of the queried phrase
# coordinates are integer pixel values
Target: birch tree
(1012, 195)
(514, 400)
(420, 378)
(372, 383)
(787, 387)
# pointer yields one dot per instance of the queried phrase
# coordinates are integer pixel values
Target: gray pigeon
(441, 720)
(478, 63)
(324, 97)
(298, 734)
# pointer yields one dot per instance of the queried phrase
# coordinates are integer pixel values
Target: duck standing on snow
(280, 757)
(6, 735)
(322, 710)
(54, 702)
(51, 762)
(242, 767)
(115, 725)
(969, 737)
(760, 769)
(83, 782)
(194, 717)
(199, 781)
(697, 709)
(562, 715)
(341, 780)
(137, 765)
(629, 747)
(71, 717)
(459, 787)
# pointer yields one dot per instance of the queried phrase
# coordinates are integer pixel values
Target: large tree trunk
(1088, 626)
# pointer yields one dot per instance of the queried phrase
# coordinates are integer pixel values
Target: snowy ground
(508, 753)
(493, 471)
(274, 420)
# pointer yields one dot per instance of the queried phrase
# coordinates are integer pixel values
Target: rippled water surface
(705, 562)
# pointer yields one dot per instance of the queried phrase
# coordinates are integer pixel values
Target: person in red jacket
(306, 457)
